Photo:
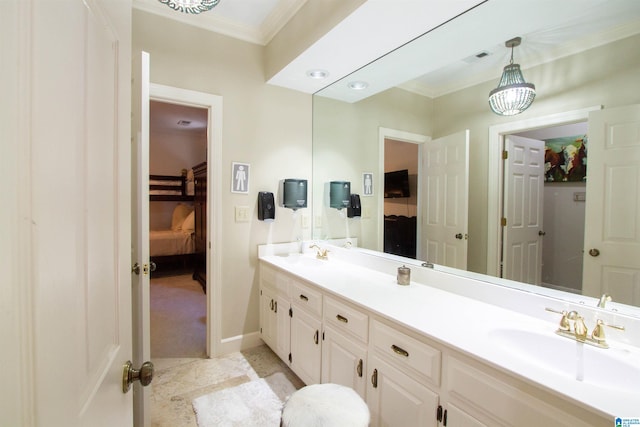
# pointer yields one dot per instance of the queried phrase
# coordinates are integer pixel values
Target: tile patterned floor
(178, 381)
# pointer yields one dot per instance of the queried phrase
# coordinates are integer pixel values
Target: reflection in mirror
(581, 55)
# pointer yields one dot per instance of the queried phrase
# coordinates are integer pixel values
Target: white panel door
(140, 231)
(445, 166)
(80, 102)
(524, 186)
(612, 216)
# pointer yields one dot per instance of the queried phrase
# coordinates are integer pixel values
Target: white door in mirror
(612, 208)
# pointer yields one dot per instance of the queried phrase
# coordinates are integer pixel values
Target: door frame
(213, 104)
(495, 179)
(403, 136)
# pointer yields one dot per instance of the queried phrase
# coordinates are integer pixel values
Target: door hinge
(260, 291)
(290, 312)
(505, 154)
(503, 222)
(261, 330)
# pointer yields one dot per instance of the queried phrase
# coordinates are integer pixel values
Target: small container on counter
(404, 275)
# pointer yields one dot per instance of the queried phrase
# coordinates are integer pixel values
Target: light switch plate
(242, 213)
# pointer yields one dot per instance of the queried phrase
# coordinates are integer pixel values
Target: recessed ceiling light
(318, 74)
(358, 85)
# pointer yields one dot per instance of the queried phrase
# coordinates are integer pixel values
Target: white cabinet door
(282, 343)
(306, 346)
(454, 416)
(344, 361)
(275, 328)
(395, 399)
(268, 321)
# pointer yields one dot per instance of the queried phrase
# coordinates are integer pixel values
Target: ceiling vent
(475, 58)
(184, 122)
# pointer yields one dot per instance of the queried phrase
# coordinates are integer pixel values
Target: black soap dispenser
(354, 209)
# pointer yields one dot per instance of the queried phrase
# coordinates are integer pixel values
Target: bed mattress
(169, 242)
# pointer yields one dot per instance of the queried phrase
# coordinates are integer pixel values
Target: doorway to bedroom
(177, 160)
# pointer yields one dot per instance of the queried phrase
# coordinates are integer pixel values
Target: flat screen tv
(396, 184)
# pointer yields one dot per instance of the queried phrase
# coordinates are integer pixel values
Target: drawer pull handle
(304, 297)
(342, 318)
(316, 336)
(374, 378)
(400, 351)
(359, 368)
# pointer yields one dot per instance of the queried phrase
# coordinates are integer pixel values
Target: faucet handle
(566, 317)
(598, 331)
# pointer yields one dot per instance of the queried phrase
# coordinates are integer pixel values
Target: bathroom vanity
(423, 355)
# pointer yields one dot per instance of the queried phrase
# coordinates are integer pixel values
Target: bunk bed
(172, 247)
(170, 188)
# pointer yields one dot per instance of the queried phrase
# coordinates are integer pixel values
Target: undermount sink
(305, 260)
(610, 368)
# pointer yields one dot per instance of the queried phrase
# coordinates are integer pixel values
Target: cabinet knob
(374, 378)
(316, 337)
(359, 368)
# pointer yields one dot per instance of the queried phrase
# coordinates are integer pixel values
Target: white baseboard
(239, 342)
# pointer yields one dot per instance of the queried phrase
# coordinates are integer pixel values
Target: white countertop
(464, 324)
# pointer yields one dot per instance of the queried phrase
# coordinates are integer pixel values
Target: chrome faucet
(320, 253)
(604, 299)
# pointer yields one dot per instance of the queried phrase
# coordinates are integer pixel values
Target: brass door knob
(129, 375)
(594, 252)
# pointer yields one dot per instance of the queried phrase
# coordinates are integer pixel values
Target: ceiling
(440, 62)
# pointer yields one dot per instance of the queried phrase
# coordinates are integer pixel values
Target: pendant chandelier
(513, 95)
(191, 6)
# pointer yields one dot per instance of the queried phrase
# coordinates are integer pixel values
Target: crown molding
(261, 35)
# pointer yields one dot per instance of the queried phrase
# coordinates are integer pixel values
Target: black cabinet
(400, 235)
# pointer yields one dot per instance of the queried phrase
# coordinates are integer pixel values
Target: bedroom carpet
(178, 317)
(179, 382)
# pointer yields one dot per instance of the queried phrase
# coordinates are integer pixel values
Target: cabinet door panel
(283, 327)
(267, 318)
(398, 400)
(305, 346)
(343, 361)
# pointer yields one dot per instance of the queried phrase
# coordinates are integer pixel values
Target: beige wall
(266, 126)
(346, 142)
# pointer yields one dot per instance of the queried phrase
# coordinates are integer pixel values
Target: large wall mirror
(427, 101)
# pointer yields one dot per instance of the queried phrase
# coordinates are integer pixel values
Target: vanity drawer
(346, 318)
(274, 279)
(307, 297)
(407, 353)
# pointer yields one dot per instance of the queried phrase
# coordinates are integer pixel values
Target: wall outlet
(242, 213)
(305, 221)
